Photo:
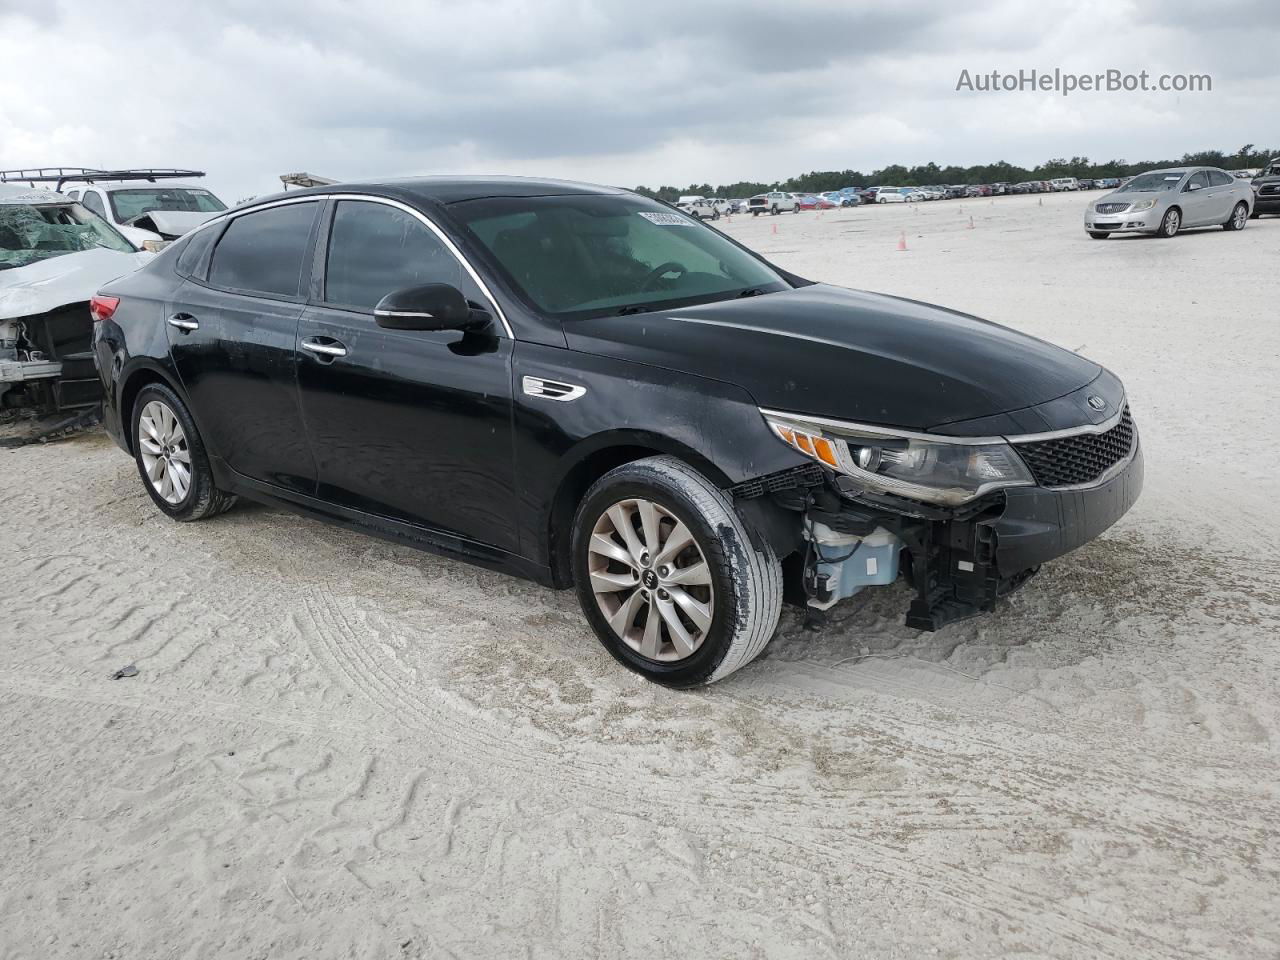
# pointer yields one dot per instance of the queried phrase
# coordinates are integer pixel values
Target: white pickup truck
(773, 203)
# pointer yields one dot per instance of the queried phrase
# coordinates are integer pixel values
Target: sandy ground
(336, 747)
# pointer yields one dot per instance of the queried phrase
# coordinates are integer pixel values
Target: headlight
(155, 246)
(906, 464)
(1143, 205)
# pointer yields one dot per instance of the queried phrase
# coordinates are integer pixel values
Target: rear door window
(1219, 179)
(91, 201)
(265, 252)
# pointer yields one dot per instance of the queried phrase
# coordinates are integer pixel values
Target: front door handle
(184, 322)
(325, 348)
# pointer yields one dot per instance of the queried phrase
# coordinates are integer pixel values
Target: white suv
(1064, 183)
(773, 203)
(148, 214)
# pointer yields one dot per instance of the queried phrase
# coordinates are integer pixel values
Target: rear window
(265, 252)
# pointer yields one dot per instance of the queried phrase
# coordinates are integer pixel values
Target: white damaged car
(54, 255)
(149, 214)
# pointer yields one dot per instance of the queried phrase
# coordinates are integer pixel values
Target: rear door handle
(184, 322)
(326, 348)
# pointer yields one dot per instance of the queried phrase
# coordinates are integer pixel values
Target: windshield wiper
(634, 308)
(751, 292)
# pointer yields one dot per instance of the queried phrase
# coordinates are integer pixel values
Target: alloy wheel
(1171, 223)
(166, 457)
(1240, 216)
(651, 580)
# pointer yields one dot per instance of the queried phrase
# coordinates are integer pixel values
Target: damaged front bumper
(959, 560)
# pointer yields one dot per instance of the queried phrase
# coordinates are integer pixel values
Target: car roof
(12, 193)
(453, 189)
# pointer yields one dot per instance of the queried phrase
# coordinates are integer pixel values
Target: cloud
(665, 92)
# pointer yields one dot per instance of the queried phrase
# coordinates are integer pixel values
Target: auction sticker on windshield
(667, 219)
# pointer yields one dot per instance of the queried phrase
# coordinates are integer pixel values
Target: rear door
(1222, 196)
(407, 424)
(232, 335)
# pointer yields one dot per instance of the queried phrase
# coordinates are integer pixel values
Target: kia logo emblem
(1097, 403)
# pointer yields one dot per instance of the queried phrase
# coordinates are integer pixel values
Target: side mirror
(1192, 186)
(430, 306)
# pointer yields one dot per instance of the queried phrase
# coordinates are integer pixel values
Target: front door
(232, 336)
(1197, 205)
(410, 425)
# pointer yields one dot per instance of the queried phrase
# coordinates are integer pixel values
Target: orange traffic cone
(902, 241)
(775, 228)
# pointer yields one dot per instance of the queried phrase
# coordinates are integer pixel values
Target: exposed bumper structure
(958, 560)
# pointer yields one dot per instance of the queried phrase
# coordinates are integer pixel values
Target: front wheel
(773, 211)
(171, 457)
(1171, 223)
(668, 576)
(1239, 217)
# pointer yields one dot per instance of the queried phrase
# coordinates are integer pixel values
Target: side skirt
(419, 538)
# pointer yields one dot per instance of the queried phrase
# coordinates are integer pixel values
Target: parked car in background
(773, 203)
(999, 189)
(811, 201)
(890, 195)
(914, 195)
(869, 195)
(147, 213)
(1064, 184)
(957, 191)
(670, 425)
(705, 208)
(1085, 184)
(1163, 202)
(1266, 190)
(54, 255)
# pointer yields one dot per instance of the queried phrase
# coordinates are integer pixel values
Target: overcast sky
(654, 92)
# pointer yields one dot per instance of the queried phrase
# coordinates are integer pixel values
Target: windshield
(595, 255)
(127, 204)
(1151, 182)
(30, 233)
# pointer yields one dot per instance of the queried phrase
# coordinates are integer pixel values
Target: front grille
(1270, 188)
(1081, 458)
(1111, 207)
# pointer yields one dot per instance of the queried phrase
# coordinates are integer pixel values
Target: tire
(1099, 234)
(773, 211)
(755, 213)
(161, 422)
(715, 215)
(1239, 217)
(1171, 223)
(743, 588)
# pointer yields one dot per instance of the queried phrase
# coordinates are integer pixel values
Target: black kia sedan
(584, 387)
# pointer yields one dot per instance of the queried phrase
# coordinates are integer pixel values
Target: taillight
(101, 308)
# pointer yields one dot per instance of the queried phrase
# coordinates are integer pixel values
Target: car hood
(849, 355)
(170, 224)
(70, 278)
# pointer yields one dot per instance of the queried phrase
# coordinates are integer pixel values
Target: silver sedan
(1163, 202)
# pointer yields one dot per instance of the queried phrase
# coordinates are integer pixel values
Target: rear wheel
(773, 211)
(1239, 217)
(668, 577)
(171, 457)
(1171, 223)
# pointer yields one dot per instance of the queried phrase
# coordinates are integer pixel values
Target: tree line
(821, 181)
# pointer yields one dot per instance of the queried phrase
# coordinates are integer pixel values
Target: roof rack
(60, 175)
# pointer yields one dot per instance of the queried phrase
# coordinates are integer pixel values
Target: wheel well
(565, 503)
(132, 387)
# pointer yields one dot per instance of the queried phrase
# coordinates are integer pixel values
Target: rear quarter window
(194, 247)
(265, 252)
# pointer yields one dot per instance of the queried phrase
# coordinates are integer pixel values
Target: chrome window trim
(386, 201)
